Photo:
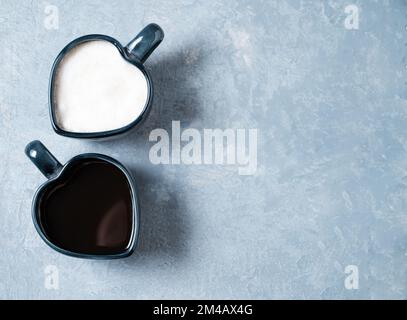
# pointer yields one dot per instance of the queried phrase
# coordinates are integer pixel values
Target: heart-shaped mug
(88, 208)
(98, 88)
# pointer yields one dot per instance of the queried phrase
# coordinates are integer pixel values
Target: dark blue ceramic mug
(136, 53)
(88, 208)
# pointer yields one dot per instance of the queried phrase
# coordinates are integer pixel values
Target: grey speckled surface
(331, 185)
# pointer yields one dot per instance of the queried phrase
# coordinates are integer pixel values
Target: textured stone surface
(331, 185)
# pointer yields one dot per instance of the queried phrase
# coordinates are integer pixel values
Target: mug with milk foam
(98, 88)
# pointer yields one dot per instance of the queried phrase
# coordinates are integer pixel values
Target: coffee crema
(90, 211)
(95, 89)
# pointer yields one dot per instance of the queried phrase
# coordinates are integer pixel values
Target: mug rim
(135, 204)
(125, 56)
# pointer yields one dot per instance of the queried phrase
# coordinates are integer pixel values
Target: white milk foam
(96, 90)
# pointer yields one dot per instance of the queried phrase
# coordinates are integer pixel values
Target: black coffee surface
(90, 210)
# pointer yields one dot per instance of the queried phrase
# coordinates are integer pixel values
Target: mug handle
(43, 159)
(140, 48)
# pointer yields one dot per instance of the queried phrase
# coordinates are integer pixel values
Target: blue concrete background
(331, 185)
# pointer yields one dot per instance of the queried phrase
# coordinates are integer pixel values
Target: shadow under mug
(58, 175)
(136, 53)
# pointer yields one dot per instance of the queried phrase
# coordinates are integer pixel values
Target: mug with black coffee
(88, 208)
